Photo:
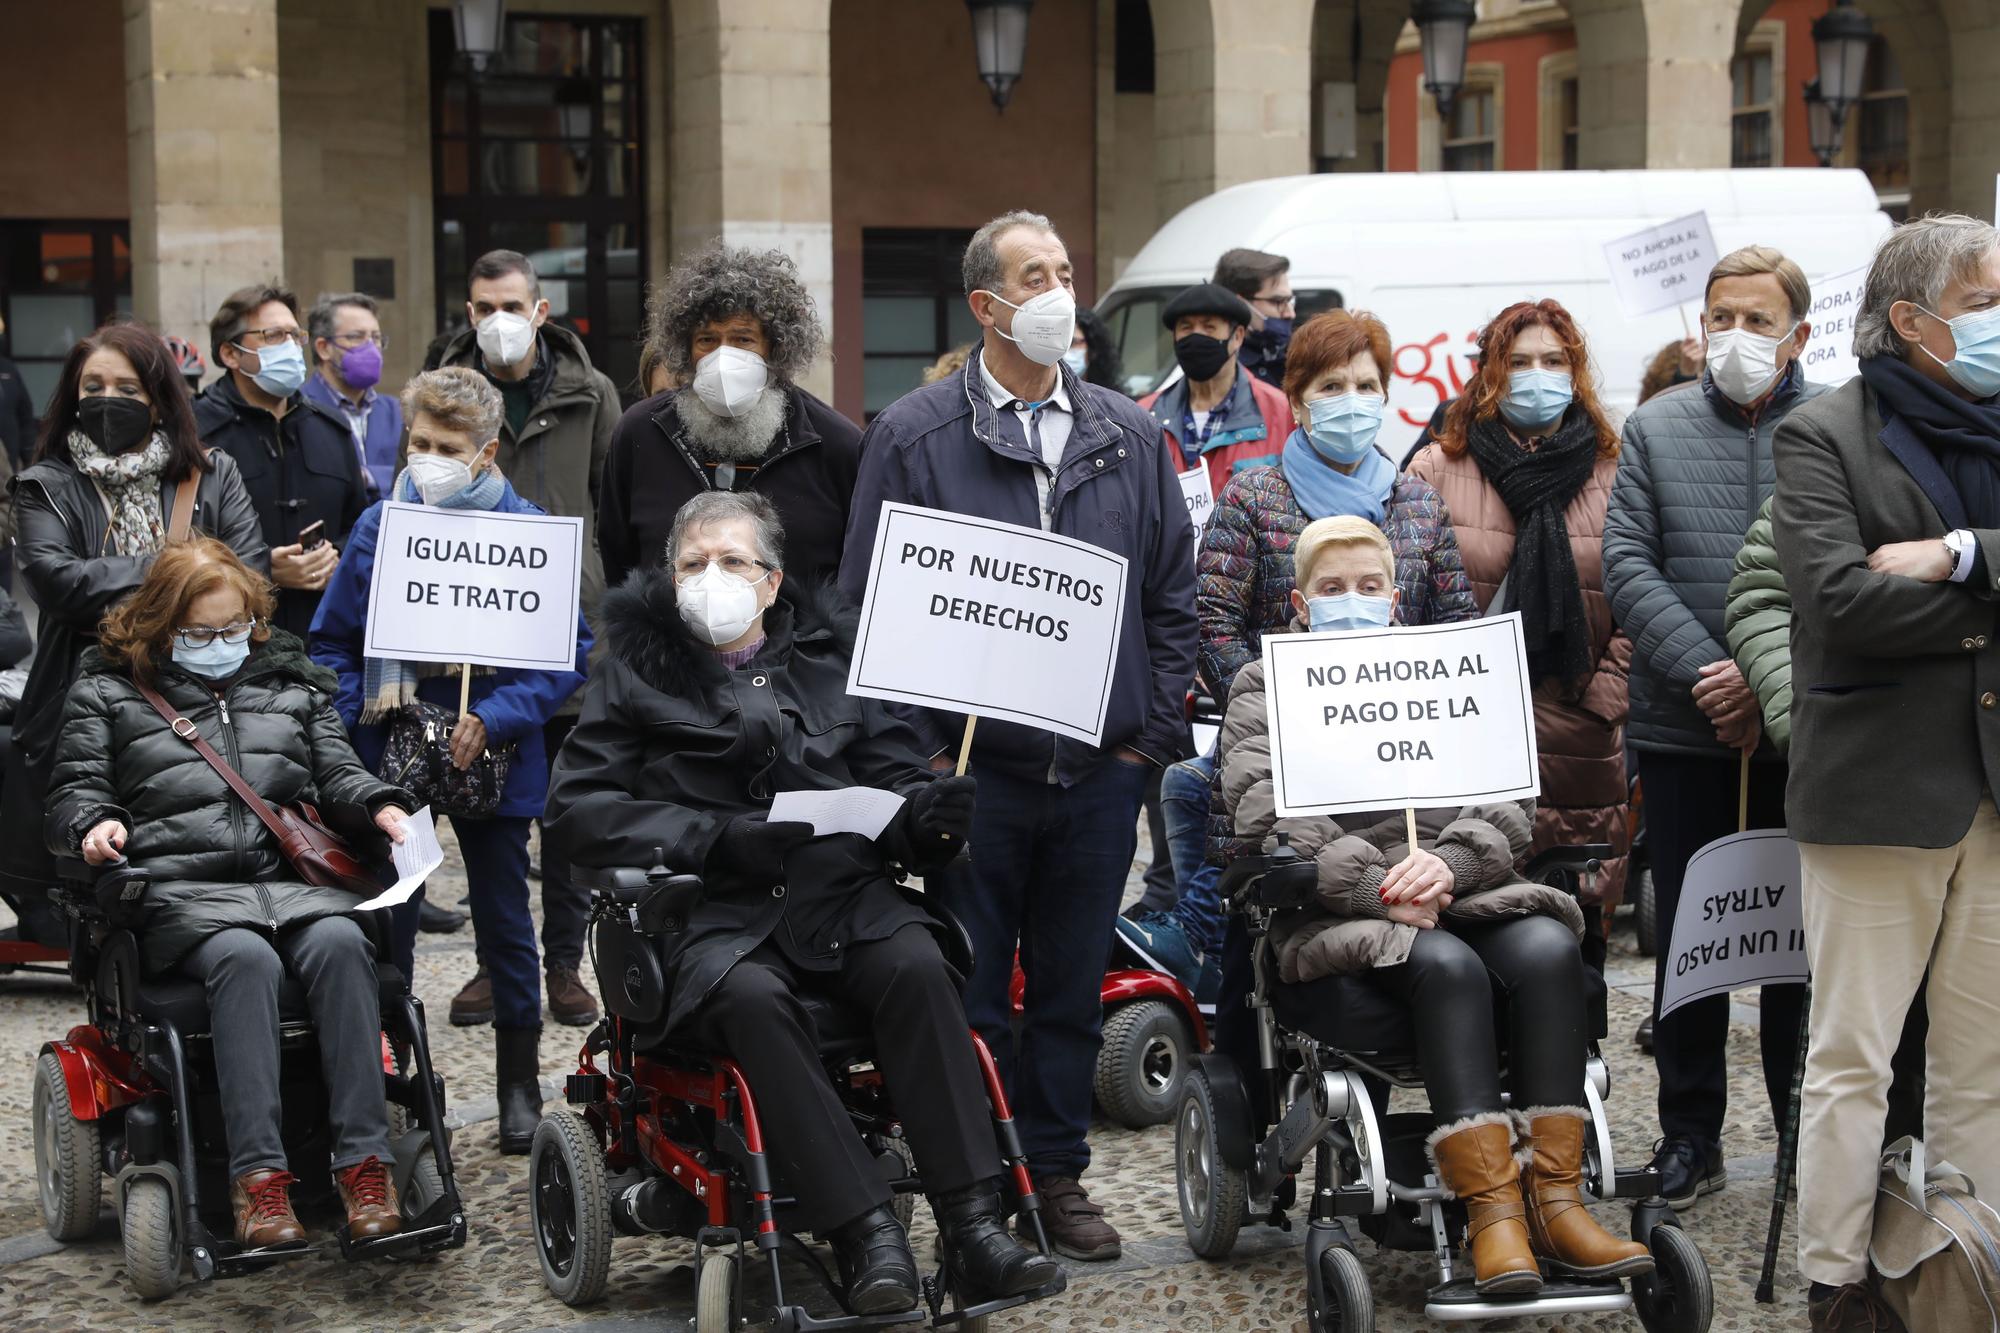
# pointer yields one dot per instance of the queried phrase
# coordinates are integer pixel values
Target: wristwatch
(1955, 544)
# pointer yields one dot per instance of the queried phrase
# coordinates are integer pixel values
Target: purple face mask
(361, 367)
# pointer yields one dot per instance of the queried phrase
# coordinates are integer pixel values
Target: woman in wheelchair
(223, 906)
(725, 685)
(1440, 928)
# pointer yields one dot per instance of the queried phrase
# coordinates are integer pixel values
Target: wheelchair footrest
(952, 1318)
(796, 1319)
(439, 1227)
(1458, 1302)
(232, 1260)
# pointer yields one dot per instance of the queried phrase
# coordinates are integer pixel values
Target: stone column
(752, 137)
(1232, 94)
(201, 115)
(1653, 79)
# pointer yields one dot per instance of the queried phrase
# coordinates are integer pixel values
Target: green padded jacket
(1758, 623)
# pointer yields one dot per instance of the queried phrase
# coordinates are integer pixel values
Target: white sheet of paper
(863, 810)
(415, 856)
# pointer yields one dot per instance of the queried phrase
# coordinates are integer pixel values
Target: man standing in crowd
(560, 411)
(296, 457)
(17, 412)
(1016, 436)
(738, 328)
(1695, 468)
(1214, 415)
(347, 354)
(1887, 526)
(1265, 281)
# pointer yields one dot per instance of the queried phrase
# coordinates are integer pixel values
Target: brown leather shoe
(1475, 1162)
(1076, 1226)
(570, 1001)
(262, 1201)
(473, 1006)
(1559, 1225)
(1851, 1308)
(370, 1197)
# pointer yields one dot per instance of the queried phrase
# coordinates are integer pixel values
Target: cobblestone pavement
(494, 1281)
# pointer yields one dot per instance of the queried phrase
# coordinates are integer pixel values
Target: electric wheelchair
(666, 1140)
(132, 1094)
(1322, 1086)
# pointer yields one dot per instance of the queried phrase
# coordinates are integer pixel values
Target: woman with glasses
(455, 415)
(223, 905)
(93, 510)
(347, 351)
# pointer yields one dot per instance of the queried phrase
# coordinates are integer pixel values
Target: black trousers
(1162, 890)
(923, 1046)
(565, 907)
(1690, 802)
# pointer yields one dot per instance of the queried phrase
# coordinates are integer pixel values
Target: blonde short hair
(457, 398)
(1323, 534)
(1754, 259)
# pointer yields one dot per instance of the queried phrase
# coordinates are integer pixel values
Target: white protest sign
(1662, 267)
(990, 619)
(461, 585)
(1829, 355)
(1412, 717)
(1200, 496)
(1739, 922)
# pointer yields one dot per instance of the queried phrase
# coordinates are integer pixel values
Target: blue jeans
(1184, 793)
(503, 930)
(1048, 867)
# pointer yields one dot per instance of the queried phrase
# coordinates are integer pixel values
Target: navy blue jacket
(941, 447)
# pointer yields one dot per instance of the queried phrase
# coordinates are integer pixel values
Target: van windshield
(1145, 345)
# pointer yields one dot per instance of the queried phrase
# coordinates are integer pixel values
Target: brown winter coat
(1580, 733)
(1349, 930)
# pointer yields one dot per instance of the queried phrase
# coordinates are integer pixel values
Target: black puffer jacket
(671, 746)
(213, 864)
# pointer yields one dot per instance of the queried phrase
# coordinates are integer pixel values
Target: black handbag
(418, 759)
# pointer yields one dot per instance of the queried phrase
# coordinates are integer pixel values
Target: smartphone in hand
(313, 535)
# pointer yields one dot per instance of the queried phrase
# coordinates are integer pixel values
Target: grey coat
(1896, 683)
(1693, 473)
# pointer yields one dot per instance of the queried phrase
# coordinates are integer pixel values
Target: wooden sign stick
(1743, 795)
(965, 745)
(1410, 825)
(464, 688)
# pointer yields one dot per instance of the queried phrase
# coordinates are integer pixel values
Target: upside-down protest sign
(974, 616)
(1409, 717)
(1739, 922)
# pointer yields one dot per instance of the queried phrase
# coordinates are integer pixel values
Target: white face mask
(1743, 364)
(1044, 327)
(437, 477)
(505, 337)
(730, 380)
(719, 605)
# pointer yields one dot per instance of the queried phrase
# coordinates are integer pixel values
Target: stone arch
(1230, 94)
(1653, 80)
(1353, 41)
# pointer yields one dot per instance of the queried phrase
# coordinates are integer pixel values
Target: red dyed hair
(1482, 396)
(1333, 339)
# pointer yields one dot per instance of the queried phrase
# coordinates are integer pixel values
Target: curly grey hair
(457, 398)
(719, 281)
(1916, 262)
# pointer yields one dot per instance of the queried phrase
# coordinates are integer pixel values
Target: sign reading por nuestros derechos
(457, 585)
(1662, 267)
(1739, 923)
(987, 618)
(1388, 719)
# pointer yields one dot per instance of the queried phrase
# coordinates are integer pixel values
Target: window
(1132, 56)
(59, 281)
(1567, 120)
(1468, 140)
(1882, 129)
(543, 153)
(913, 309)
(1750, 78)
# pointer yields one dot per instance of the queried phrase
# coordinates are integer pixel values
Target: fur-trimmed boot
(1476, 1164)
(1562, 1229)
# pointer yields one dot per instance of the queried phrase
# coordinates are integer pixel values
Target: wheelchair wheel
(1141, 1064)
(569, 1207)
(1676, 1297)
(1211, 1191)
(426, 1185)
(1343, 1302)
(715, 1294)
(67, 1161)
(152, 1239)
(1645, 914)
(904, 1206)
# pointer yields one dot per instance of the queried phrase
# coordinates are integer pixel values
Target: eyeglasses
(742, 566)
(200, 636)
(356, 339)
(1286, 302)
(251, 339)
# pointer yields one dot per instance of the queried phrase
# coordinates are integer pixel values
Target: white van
(1436, 255)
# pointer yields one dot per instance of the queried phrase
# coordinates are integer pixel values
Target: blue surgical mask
(1348, 610)
(216, 659)
(1342, 427)
(1536, 398)
(1077, 358)
(1976, 364)
(281, 369)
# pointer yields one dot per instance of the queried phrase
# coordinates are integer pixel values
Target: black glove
(754, 849)
(940, 813)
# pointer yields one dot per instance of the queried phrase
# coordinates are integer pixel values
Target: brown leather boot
(1562, 1229)
(263, 1204)
(1475, 1162)
(370, 1197)
(473, 1005)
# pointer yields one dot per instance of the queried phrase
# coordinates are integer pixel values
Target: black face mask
(115, 425)
(1201, 357)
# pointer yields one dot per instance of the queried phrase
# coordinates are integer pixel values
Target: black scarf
(1542, 583)
(1963, 434)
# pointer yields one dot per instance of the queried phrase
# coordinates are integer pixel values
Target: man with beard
(736, 327)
